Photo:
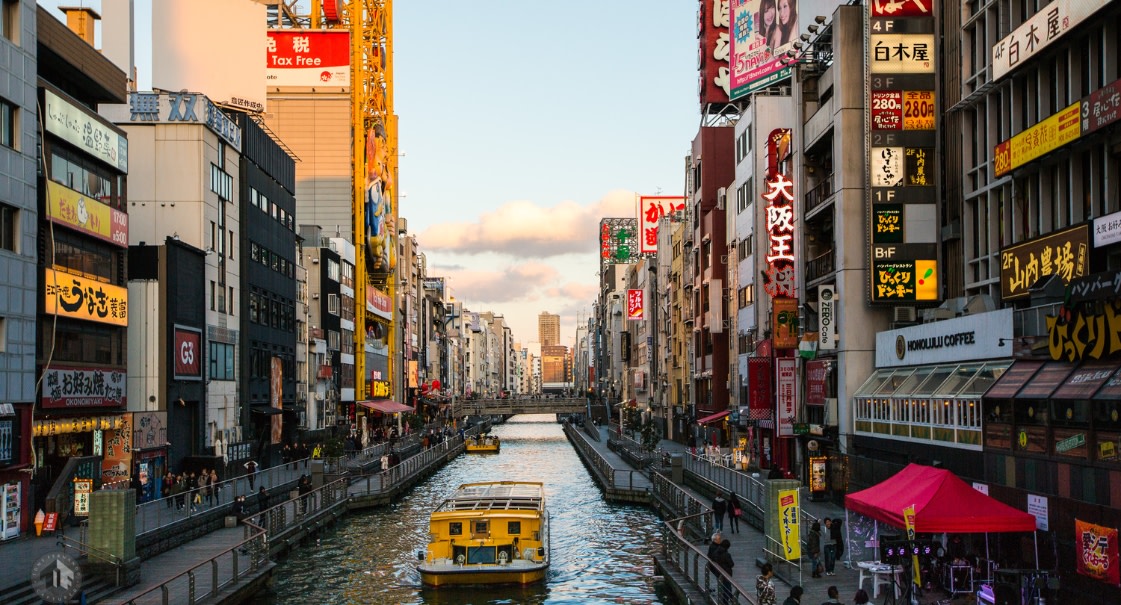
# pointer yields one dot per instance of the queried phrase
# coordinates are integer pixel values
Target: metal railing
(791, 571)
(751, 491)
(820, 193)
(282, 518)
(381, 481)
(207, 579)
(679, 548)
(616, 478)
(92, 552)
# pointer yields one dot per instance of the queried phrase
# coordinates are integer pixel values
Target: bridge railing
(291, 513)
(751, 490)
(378, 481)
(624, 479)
(680, 540)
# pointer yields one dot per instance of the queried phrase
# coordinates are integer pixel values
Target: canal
(601, 552)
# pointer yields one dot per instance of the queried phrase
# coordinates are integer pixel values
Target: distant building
(548, 329)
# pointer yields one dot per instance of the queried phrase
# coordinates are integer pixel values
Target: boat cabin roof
(497, 495)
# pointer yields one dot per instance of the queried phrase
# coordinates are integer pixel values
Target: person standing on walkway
(725, 562)
(714, 546)
(813, 547)
(735, 509)
(838, 538)
(719, 507)
(830, 547)
(795, 597)
(215, 487)
(262, 503)
(765, 586)
(251, 472)
(834, 596)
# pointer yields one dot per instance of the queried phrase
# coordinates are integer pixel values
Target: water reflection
(601, 553)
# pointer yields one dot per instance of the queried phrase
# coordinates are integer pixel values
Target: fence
(678, 549)
(620, 479)
(378, 482)
(292, 513)
(751, 490)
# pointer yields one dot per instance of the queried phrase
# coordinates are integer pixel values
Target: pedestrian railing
(751, 491)
(598, 462)
(682, 505)
(680, 540)
(775, 553)
(93, 553)
(299, 508)
(205, 580)
(379, 481)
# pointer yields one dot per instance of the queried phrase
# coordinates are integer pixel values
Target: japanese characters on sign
(636, 308)
(308, 58)
(616, 240)
(818, 479)
(72, 296)
(759, 385)
(789, 517)
(1097, 552)
(68, 207)
(713, 18)
(903, 225)
(780, 230)
(755, 62)
(1085, 333)
(73, 387)
(82, 490)
(1062, 253)
(1037, 141)
(786, 379)
(163, 107)
(651, 210)
(65, 120)
(1102, 107)
(1039, 31)
(784, 320)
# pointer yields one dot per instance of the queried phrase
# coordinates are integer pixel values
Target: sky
(521, 125)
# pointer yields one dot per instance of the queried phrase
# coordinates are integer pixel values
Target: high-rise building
(548, 329)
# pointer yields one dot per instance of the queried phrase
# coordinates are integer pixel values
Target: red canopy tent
(943, 503)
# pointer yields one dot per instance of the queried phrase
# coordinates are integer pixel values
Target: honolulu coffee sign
(971, 337)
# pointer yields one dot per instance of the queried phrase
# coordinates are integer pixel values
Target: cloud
(526, 230)
(575, 291)
(516, 282)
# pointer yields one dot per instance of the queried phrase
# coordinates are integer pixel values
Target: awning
(7, 409)
(1013, 379)
(1046, 380)
(1085, 381)
(266, 410)
(386, 406)
(716, 416)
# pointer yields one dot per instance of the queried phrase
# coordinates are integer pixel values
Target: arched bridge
(509, 407)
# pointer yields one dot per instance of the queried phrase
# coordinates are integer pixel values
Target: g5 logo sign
(187, 353)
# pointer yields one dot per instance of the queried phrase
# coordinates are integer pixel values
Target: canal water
(601, 552)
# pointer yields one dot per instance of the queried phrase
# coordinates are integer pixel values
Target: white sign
(826, 318)
(82, 130)
(981, 487)
(1040, 31)
(1107, 230)
(786, 369)
(967, 338)
(1037, 507)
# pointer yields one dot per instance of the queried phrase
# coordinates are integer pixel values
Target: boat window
(481, 554)
(455, 528)
(482, 527)
(514, 528)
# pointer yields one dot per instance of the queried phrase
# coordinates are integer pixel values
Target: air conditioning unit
(721, 196)
(904, 314)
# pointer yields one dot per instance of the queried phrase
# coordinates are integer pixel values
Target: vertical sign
(713, 19)
(903, 225)
(785, 322)
(276, 387)
(826, 317)
(1097, 551)
(786, 370)
(651, 210)
(909, 521)
(1037, 507)
(636, 309)
(779, 275)
(788, 520)
(759, 383)
(82, 490)
(818, 478)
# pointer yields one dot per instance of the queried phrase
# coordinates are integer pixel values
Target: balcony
(820, 267)
(819, 194)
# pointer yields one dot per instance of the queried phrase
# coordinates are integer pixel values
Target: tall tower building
(548, 329)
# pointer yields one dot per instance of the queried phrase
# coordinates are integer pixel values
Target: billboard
(379, 207)
(651, 210)
(68, 207)
(1038, 140)
(276, 397)
(1064, 253)
(68, 295)
(1039, 31)
(77, 387)
(308, 58)
(636, 307)
(616, 241)
(188, 353)
(762, 31)
(713, 49)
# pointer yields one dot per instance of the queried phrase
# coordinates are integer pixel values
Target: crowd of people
(190, 489)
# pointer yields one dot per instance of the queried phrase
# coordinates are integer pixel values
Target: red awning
(716, 416)
(942, 501)
(387, 406)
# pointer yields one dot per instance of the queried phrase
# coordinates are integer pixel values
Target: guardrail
(791, 571)
(751, 490)
(93, 552)
(619, 479)
(206, 579)
(678, 549)
(290, 514)
(378, 481)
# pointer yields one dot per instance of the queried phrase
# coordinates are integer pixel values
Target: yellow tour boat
(482, 444)
(488, 533)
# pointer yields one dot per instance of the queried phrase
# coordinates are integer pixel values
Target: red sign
(902, 8)
(779, 275)
(714, 50)
(651, 210)
(379, 303)
(187, 353)
(1097, 552)
(759, 384)
(307, 58)
(69, 387)
(636, 309)
(887, 110)
(816, 373)
(1102, 107)
(51, 522)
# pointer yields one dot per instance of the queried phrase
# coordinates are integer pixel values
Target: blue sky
(522, 124)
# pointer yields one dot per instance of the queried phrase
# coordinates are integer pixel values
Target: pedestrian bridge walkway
(520, 405)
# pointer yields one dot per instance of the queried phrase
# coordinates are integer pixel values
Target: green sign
(801, 429)
(1071, 442)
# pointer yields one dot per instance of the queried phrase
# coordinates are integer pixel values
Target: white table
(879, 573)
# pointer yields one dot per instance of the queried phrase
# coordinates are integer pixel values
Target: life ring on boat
(460, 559)
(502, 557)
(527, 554)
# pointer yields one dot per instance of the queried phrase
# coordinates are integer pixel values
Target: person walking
(735, 509)
(215, 487)
(813, 547)
(180, 492)
(795, 597)
(719, 507)
(165, 488)
(830, 547)
(765, 585)
(262, 499)
(714, 545)
(838, 538)
(251, 472)
(834, 596)
(724, 561)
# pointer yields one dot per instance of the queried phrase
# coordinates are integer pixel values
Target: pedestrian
(168, 482)
(861, 597)
(834, 596)
(251, 472)
(215, 487)
(830, 547)
(813, 547)
(795, 597)
(717, 538)
(838, 538)
(239, 508)
(181, 492)
(207, 487)
(262, 499)
(196, 490)
(725, 562)
(735, 509)
(765, 585)
(719, 507)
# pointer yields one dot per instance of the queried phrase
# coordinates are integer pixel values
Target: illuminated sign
(379, 389)
(780, 230)
(903, 110)
(72, 296)
(65, 120)
(901, 8)
(1037, 141)
(902, 54)
(651, 210)
(1039, 31)
(1062, 253)
(1085, 333)
(616, 240)
(73, 387)
(308, 58)
(712, 35)
(905, 281)
(68, 207)
(636, 308)
(827, 317)
(784, 312)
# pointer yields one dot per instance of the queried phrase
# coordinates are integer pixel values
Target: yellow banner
(68, 207)
(1043, 138)
(788, 520)
(68, 295)
(909, 520)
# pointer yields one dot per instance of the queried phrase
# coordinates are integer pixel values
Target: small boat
(488, 533)
(482, 444)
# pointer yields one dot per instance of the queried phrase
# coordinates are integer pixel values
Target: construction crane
(374, 158)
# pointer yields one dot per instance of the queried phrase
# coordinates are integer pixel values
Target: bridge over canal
(512, 406)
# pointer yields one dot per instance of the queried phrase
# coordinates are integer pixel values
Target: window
(221, 361)
(9, 228)
(253, 307)
(333, 304)
(455, 528)
(213, 296)
(333, 269)
(232, 242)
(7, 124)
(9, 20)
(221, 183)
(231, 300)
(514, 528)
(7, 428)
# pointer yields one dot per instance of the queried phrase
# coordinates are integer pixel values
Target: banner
(188, 353)
(1097, 552)
(909, 522)
(788, 522)
(786, 370)
(785, 321)
(759, 384)
(636, 309)
(276, 395)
